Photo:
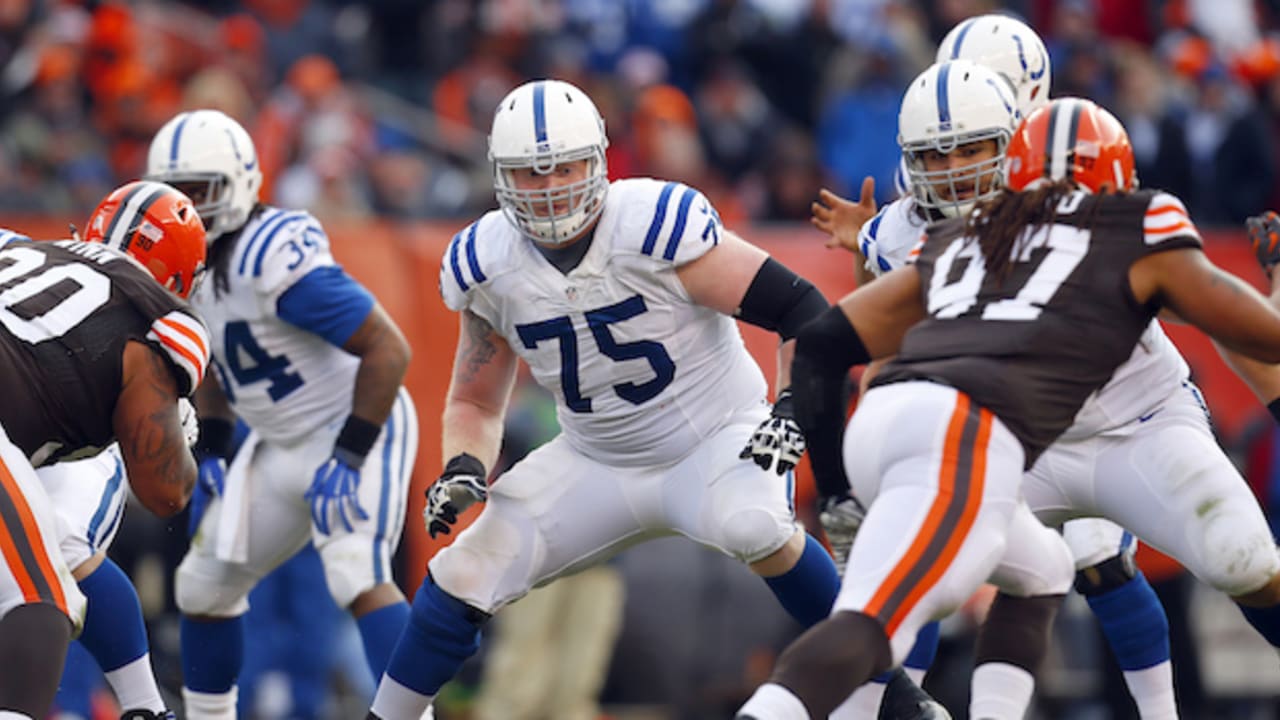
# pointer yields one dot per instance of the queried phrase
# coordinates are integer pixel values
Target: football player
(1009, 321)
(947, 175)
(314, 366)
(620, 297)
(97, 351)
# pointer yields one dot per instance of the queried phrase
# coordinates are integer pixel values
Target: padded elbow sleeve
(781, 301)
(825, 351)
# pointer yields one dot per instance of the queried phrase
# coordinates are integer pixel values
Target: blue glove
(211, 478)
(336, 482)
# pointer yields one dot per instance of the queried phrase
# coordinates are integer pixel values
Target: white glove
(778, 443)
(190, 423)
(460, 486)
(841, 517)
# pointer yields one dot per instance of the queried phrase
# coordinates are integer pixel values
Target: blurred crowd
(381, 107)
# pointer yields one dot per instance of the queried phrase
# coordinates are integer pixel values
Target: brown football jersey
(1031, 348)
(66, 311)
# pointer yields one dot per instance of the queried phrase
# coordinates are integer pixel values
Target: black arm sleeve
(780, 301)
(825, 350)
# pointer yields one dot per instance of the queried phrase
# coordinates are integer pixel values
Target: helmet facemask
(941, 190)
(534, 211)
(211, 195)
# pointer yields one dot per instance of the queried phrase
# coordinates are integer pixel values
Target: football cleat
(904, 700)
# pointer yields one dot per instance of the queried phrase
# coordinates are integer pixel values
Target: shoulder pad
(674, 222)
(273, 228)
(286, 246)
(476, 254)
(185, 343)
(1166, 218)
(8, 236)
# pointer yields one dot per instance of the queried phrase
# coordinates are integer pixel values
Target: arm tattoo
(478, 348)
(1233, 283)
(157, 438)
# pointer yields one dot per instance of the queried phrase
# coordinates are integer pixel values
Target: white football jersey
(641, 375)
(1153, 372)
(282, 380)
(889, 239)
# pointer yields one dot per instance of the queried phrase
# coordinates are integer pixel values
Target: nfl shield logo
(571, 292)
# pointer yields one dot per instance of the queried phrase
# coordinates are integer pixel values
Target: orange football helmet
(1071, 138)
(158, 226)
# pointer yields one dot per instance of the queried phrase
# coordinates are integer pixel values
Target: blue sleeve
(327, 302)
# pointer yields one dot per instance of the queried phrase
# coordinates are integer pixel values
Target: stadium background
(372, 115)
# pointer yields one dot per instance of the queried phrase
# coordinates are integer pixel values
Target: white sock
(774, 702)
(916, 674)
(397, 702)
(1152, 691)
(863, 704)
(1000, 692)
(210, 706)
(135, 686)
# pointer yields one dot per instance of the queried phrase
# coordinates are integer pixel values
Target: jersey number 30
(47, 304)
(599, 320)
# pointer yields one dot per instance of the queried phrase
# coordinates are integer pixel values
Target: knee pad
(1106, 575)
(752, 534)
(1237, 561)
(348, 568)
(197, 593)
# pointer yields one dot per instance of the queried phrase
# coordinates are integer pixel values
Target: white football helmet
(210, 157)
(539, 125)
(1009, 47)
(948, 106)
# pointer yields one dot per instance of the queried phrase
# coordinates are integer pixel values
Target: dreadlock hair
(1005, 221)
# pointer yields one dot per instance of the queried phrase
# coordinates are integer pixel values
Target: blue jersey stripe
(104, 504)
(964, 30)
(944, 102)
(104, 538)
(8, 236)
(884, 264)
(540, 112)
(454, 264)
(659, 217)
(268, 220)
(472, 261)
(875, 225)
(262, 249)
(389, 432)
(177, 139)
(682, 216)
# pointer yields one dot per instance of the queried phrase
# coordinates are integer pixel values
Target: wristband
(356, 439)
(215, 437)
(464, 464)
(784, 406)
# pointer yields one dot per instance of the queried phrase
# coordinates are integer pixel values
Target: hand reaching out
(841, 219)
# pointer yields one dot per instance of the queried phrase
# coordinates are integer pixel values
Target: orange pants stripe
(950, 517)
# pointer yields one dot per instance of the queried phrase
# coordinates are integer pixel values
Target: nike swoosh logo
(1148, 416)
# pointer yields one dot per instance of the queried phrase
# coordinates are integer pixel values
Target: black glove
(778, 442)
(1264, 236)
(461, 485)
